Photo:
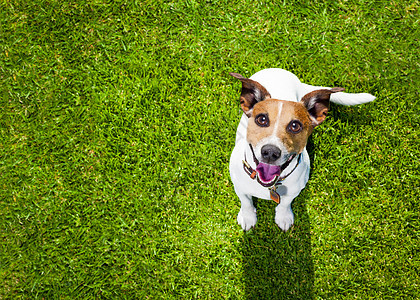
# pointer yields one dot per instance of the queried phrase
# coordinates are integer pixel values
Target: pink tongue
(267, 172)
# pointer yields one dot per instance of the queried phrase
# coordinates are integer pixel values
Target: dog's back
(281, 84)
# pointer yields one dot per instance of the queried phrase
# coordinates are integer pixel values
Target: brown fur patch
(290, 111)
(255, 133)
(294, 142)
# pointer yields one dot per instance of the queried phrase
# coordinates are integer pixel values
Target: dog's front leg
(284, 215)
(247, 216)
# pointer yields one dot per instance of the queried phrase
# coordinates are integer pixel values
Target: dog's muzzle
(269, 175)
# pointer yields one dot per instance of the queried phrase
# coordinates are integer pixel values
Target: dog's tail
(341, 97)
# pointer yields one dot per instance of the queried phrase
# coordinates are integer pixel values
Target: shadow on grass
(278, 265)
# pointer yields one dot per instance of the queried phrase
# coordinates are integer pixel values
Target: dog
(269, 160)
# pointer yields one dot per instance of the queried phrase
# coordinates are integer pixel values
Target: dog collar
(273, 184)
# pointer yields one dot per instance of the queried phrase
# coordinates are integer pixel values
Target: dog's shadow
(277, 264)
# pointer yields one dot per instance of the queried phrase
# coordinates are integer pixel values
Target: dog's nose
(270, 153)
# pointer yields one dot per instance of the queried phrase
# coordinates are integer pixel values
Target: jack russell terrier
(269, 160)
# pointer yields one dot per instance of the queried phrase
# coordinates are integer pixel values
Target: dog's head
(278, 129)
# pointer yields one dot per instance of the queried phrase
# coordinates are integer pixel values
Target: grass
(117, 122)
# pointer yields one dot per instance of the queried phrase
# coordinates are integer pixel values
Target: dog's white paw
(247, 218)
(284, 217)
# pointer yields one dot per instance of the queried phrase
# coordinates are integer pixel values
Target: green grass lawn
(116, 125)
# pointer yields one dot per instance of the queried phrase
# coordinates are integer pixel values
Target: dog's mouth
(269, 174)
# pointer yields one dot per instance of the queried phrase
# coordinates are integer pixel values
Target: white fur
(282, 85)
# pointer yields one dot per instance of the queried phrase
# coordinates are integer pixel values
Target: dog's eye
(295, 126)
(262, 120)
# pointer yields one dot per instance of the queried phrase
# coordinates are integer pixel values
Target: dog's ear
(252, 93)
(318, 103)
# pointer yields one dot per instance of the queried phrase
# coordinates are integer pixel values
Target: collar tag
(274, 195)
